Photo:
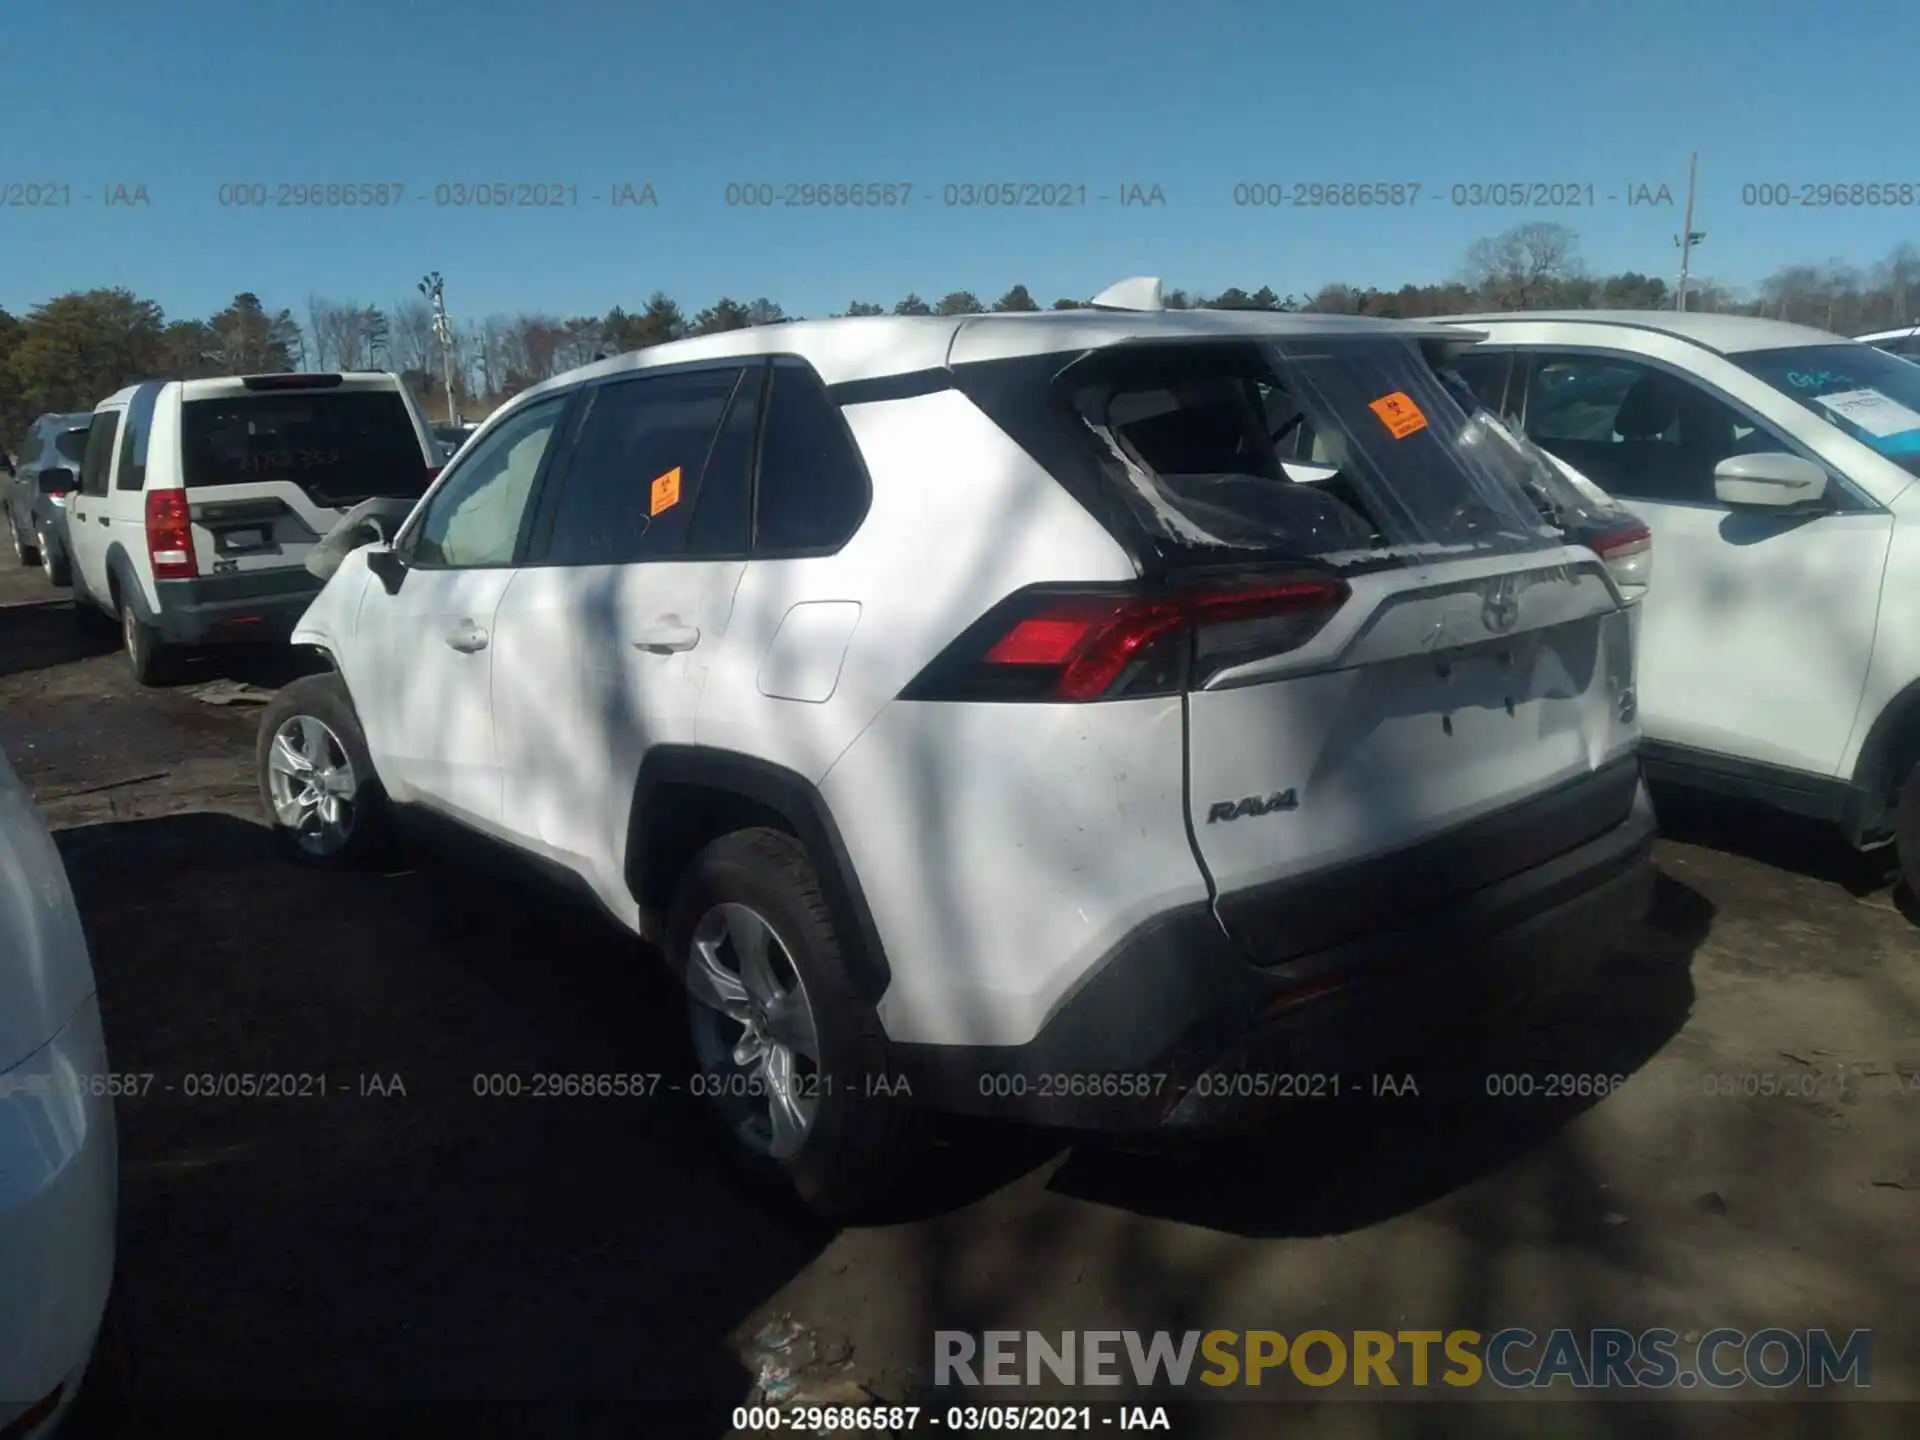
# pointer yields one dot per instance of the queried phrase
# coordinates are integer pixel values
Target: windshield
(1199, 435)
(1867, 393)
(339, 446)
(70, 445)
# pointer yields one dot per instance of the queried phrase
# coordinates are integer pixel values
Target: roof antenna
(1139, 292)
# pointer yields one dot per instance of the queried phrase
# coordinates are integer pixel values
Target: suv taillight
(1628, 552)
(1080, 643)
(170, 536)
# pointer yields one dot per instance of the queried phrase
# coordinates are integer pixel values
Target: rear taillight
(170, 535)
(1628, 552)
(1074, 643)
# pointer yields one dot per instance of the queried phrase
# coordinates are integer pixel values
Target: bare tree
(1526, 267)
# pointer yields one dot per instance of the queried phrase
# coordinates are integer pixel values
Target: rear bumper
(1180, 1021)
(233, 608)
(58, 1197)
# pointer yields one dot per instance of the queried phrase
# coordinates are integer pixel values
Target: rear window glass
(1196, 436)
(71, 447)
(340, 447)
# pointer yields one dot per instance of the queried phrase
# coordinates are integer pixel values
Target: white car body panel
(1007, 849)
(1761, 640)
(59, 1177)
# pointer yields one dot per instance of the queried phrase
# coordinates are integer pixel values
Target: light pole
(1688, 237)
(435, 289)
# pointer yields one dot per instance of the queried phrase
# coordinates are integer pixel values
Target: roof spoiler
(296, 380)
(1139, 292)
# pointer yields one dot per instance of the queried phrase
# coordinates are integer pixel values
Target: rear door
(88, 516)
(271, 462)
(608, 632)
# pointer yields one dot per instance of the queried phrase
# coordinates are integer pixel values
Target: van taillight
(170, 536)
(1079, 643)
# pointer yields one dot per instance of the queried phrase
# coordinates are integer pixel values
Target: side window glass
(722, 521)
(813, 490)
(1637, 431)
(132, 474)
(98, 459)
(1485, 372)
(637, 472)
(474, 519)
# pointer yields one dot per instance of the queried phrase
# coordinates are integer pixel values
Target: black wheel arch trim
(120, 565)
(1875, 781)
(796, 800)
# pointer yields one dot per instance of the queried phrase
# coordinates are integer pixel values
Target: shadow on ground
(428, 1241)
(45, 633)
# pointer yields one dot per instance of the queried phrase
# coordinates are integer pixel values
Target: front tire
(792, 1057)
(22, 552)
(316, 776)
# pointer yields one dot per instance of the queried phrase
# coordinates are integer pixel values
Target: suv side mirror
(389, 567)
(56, 481)
(1771, 481)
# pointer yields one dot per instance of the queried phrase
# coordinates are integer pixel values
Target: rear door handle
(467, 638)
(667, 638)
(103, 520)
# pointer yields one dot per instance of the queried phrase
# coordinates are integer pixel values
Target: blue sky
(1195, 98)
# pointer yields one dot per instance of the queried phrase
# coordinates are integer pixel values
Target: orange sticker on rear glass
(1399, 414)
(666, 491)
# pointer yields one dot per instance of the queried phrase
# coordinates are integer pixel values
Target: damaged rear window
(1205, 444)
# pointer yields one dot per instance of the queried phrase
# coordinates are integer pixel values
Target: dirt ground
(404, 1239)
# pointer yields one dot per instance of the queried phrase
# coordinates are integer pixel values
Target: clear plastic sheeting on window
(1198, 437)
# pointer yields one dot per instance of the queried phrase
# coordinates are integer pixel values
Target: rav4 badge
(1253, 805)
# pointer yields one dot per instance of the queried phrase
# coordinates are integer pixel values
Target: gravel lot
(427, 1244)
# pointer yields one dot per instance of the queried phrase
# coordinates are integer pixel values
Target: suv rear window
(1195, 438)
(340, 446)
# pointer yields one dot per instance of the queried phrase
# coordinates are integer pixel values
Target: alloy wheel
(753, 1030)
(311, 780)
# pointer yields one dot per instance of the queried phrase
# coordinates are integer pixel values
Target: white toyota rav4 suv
(978, 710)
(1775, 466)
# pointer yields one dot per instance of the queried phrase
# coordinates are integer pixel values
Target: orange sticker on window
(1399, 414)
(666, 491)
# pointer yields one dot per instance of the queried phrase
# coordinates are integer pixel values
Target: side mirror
(389, 567)
(1771, 481)
(56, 481)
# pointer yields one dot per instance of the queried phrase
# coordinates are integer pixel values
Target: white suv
(976, 711)
(1775, 465)
(199, 500)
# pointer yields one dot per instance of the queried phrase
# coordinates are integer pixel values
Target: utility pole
(1689, 237)
(435, 289)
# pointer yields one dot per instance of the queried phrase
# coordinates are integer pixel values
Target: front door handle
(668, 637)
(467, 638)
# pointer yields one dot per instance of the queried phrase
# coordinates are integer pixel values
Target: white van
(199, 500)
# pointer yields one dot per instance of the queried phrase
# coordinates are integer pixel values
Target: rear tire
(1907, 830)
(54, 563)
(150, 660)
(859, 1143)
(315, 718)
